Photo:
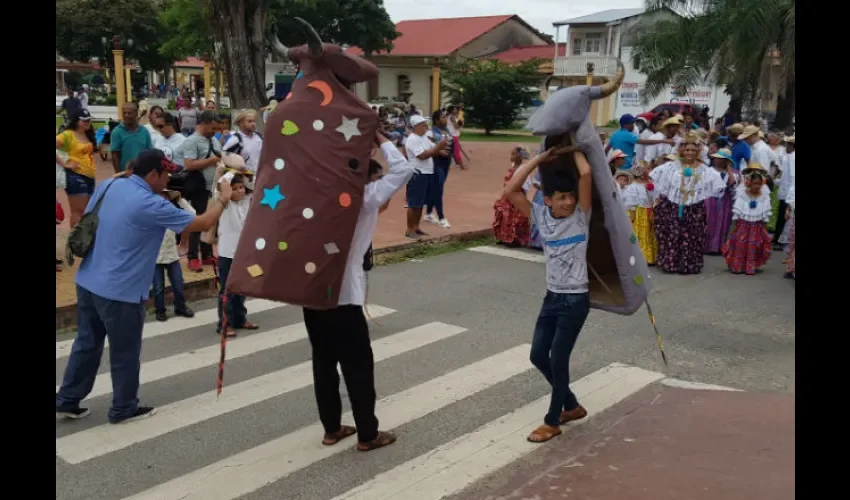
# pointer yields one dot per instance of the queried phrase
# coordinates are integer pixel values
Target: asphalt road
(451, 356)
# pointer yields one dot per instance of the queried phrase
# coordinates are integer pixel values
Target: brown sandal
(249, 326)
(543, 433)
(335, 437)
(383, 439)
(572, 415)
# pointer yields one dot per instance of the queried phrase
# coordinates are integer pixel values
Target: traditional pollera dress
(790, 262)
(718, 216)
(639, 198)
(534, 240)
(510, 226)
(679, 215)
(749, 245)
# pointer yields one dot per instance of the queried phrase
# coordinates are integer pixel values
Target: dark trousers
(558, 325)
(197, 247)
(780, 221)
(175, 277)
(341, 336)
(435, 190)
(237, 314)
(97, 319)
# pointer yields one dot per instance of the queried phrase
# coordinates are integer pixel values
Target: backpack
(237, 148)
(81, 237)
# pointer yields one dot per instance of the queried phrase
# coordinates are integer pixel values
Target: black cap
(81, 114)
(150, 160)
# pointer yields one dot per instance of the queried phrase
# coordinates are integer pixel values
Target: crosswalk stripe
(208, 356)
(176, 324)
(252, 469)
(453, 466)
(96, 441)
(508, 252)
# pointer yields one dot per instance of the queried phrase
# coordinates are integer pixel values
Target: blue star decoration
(299, 75)
(271, 197)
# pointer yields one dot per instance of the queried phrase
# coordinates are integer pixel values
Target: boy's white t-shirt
(565, 247)
(230, 226)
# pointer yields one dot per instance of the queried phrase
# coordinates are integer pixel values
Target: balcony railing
(604, 66)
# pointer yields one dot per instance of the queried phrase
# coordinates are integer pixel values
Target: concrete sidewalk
(663, 443)
(469, 199)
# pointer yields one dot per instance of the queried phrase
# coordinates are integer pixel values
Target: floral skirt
(718, 220)
(748, 247)
(509, 225)
(790, 266)
(534, 239)
(643, 226)
(681, 240)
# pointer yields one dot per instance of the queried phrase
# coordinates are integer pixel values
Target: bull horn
(612, 85)
(314, 41)
(281, 49)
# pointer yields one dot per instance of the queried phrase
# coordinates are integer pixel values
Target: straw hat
(761, 134)
(790, 139)
(735, 129)
(675, 120)
(749, 131)
(753, 168)
(616, 153)
(621, 173)
(724, 153)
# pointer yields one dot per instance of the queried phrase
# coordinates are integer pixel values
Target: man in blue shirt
(114, 280)
(740, 149)
(625, 139)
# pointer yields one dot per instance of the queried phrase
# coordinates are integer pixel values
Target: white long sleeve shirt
(376, 194)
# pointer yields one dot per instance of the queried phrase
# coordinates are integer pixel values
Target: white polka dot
(307, 213)
(279, 163)
(318, 125)
(310, 268)
(260, 244)
(632, 260)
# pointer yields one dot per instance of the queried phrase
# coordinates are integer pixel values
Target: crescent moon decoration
(325, 89)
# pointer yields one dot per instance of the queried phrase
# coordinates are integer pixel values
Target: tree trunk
(240, 27)
(785, 105)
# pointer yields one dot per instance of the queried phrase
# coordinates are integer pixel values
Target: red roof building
(527, 52)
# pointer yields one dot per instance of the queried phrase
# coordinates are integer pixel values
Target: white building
(606, 36)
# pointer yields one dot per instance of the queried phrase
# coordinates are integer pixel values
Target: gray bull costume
(619, 278)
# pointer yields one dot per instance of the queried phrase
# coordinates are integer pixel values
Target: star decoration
(271, 197)
(349, 128)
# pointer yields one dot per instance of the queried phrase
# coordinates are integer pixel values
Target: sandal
(335, 437)
(383, 439)
(577, 413)
(230, 332)
(543, 433)
(249, 326)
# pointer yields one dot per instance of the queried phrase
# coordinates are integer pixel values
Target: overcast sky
(538, 13)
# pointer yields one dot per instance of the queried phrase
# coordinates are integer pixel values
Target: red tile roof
(438, 37)
(527, 52)
(189, 62)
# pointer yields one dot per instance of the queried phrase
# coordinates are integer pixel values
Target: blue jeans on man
(97, 319)
(561, 318)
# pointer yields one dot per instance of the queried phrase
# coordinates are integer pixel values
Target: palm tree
(725, 40)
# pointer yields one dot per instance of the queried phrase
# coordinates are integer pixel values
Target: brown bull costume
(309, 189)
(295, 245)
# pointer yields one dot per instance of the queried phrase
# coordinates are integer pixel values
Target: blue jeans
(558, 325)
(98, 318)
(237, 314)
(175, 277)
(438, 183)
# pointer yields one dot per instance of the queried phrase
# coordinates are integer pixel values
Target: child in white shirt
(229, 229)
(168, 262)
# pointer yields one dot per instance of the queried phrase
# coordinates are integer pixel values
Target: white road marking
(208, 356)
(509, 252)
(450, 468)
(252, 469)
(684, 384)
(176, 324)
(96, 441)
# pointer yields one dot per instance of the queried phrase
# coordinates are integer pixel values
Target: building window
(403, 86)
(593, 43)
(577, 46)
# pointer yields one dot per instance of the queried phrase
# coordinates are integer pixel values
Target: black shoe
(185, 312)
(74, 414)
(161, 316)
(141, 412)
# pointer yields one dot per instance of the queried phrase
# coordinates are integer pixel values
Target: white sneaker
(430, 218)
(444, 224)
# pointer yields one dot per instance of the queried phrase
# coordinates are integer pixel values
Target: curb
(66, 316)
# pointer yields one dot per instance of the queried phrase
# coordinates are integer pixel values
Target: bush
(172, 104)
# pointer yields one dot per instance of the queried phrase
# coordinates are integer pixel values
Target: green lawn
(496, 137)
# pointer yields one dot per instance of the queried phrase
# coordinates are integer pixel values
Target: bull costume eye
(353, 164)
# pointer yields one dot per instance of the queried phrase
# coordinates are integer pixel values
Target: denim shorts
(417, 190)
(78, 184)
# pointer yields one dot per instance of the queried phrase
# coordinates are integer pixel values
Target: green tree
(492, 93)
(730, 41)
(187, 25)
(82, 25)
